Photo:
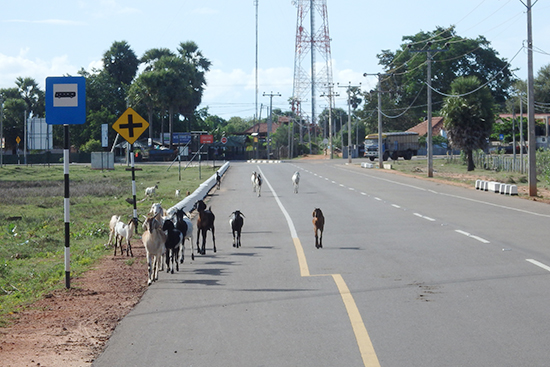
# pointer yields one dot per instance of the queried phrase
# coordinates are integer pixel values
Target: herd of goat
(165, 232)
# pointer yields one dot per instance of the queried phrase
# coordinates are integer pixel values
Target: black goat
(205, 222)
(173, 240)
(236, 222)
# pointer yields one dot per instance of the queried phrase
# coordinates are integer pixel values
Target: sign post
(66, 105)
(130, 126)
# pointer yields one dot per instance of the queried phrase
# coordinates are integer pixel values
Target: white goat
(258, 184)
(150, 191)
(158, 212)
(253, 180)
(153, 239)
(296, 181)
(124, 231)
(112, 233)
(161, 215)
(177, 193)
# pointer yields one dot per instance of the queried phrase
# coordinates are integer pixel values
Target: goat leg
(129, 249)
(213, 238)
(116, 238)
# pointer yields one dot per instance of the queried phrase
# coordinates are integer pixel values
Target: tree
(196, 81)
(174, 82)
(13, 116)
(542, 85)
(121, 63)
(33, 96)
(468, 117)
(406, 85)
(105, 103)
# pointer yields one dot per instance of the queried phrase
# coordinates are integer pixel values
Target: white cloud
(12, 67)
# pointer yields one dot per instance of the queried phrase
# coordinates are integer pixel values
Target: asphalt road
(411, 273)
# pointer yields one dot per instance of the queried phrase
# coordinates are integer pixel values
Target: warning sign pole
(130, 126)
(133, 193)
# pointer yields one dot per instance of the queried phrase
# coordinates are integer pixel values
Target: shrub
(91, 145)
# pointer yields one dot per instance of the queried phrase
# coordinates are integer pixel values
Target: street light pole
(349, 117)
(270, 121)
(380, 153)
(330, 96)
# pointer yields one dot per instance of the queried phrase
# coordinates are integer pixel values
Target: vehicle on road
(394, 145)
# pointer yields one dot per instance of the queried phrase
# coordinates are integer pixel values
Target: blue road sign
(65, 100)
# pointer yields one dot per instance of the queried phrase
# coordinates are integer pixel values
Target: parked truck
(394, 145)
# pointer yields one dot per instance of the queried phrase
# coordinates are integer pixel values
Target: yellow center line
(361, 335)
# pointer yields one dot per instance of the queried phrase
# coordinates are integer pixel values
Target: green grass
(32, 236)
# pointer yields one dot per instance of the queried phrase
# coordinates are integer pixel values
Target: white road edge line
(539, 264)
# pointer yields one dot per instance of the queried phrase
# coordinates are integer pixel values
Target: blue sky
(41, 39)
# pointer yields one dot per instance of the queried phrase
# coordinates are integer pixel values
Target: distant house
(437, 127)
(540, 118)
(261, 129)
(542, 133)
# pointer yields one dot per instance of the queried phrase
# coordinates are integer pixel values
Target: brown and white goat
(318, 226)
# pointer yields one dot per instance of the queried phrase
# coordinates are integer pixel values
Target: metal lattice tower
(310, 84)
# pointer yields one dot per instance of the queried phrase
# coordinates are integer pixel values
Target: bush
(91, 145)
(543, 164)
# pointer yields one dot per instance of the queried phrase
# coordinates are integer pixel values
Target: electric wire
(407, 109)
(482, 86)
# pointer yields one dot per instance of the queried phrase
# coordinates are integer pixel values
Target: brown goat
(318, 226)
(205, 222)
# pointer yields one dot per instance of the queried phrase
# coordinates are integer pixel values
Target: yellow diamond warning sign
(130, 125)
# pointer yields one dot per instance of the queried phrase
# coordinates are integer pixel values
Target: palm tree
(468, 115)
(121, 62)
(32, 95)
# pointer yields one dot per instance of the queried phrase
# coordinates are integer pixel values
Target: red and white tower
(315, 80)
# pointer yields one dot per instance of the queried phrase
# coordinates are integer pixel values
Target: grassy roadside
(32, 221)
(455, 172)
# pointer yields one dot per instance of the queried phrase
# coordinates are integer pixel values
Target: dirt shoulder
(70, 327)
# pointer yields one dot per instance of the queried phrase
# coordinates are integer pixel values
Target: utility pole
(1, 132)
(349, 116)
(330, 96)
(256, 69)
(429, 54)
(532, 152)
(380, 145)
(270, 121)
